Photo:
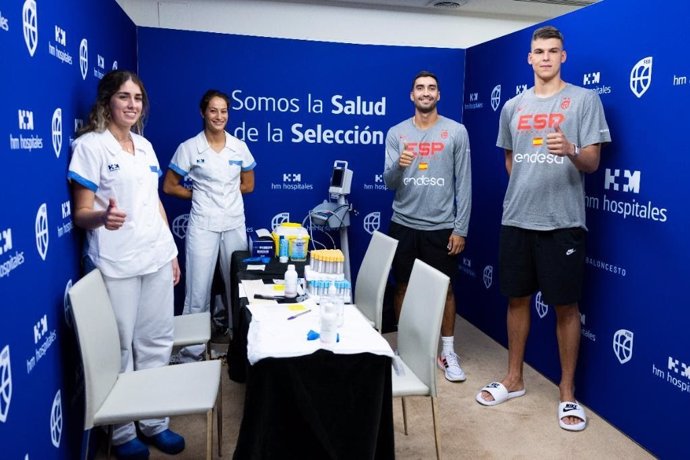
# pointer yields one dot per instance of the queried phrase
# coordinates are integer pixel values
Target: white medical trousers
(144, 309)
(201, 255)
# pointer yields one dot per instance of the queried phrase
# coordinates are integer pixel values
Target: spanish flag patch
(537, 140)
(423, 166)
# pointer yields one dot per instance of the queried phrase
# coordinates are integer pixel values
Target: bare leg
(448, 321)
(518, 322)
(400, 289)
(568, 334)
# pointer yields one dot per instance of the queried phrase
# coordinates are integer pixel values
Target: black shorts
(548, 261)
(430, 246)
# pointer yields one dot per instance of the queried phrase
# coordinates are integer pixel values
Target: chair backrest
(419, 327)
(373, 276)
(99, 341)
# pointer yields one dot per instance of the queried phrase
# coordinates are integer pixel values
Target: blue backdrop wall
(299, 105)
(634, 367)
(53, 54)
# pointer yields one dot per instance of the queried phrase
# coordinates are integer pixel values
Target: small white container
(290, 282)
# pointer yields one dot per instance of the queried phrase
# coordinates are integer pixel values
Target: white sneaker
(450, 363)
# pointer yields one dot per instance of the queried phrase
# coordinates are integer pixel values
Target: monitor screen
(337, 177)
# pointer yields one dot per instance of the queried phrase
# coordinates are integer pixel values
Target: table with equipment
(305, 399)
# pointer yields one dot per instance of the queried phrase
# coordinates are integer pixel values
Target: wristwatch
(577, 151)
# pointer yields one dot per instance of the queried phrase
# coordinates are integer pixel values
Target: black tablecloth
(319, 406)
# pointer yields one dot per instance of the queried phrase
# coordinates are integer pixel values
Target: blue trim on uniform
(235, 162)
(156, 169)
(71, 175)
(177, 169)
(250, 167)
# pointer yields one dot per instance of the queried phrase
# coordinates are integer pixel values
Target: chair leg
(404, 408)
(86, 442)
(219, 415)
(437, 434)
(110, 439)
(209, 434)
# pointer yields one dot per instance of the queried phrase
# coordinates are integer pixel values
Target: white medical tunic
(217, 203)
(144, 243)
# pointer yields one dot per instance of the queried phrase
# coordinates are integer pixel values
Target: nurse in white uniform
(115, 174)
(221, 170)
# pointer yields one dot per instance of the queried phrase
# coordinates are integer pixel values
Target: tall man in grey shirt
(552, 135)
(428, 166)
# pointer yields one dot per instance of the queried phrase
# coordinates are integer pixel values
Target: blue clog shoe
(167, 441)
(132, 450)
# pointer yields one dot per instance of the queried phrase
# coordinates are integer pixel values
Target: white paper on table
(272, 311)
(262, 232)
(253, 287)
(256, 268)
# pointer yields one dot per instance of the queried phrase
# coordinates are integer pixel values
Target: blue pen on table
(299, 314)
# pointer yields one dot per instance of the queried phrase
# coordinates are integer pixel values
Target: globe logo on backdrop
(279, 219)
(5, 383)
(541, 307)
(56, 420)
(180, 225)
(495, 97)
(56, 128)
(30, 25)
(42, 236)
(67, 307)
(641, 76)
(84, 58)
(488, 276)
(372, 222)
(623, 345)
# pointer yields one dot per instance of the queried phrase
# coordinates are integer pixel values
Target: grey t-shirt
(435, 191)
(545, 191)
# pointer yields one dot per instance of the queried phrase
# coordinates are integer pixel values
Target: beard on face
(425, 109)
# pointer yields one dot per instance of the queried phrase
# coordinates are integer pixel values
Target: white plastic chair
(418, 334)
(193, 329)
(372, 277)
(113, 397)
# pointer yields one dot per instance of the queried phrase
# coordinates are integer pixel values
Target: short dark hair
(546, 32)
(425, 73)
(210, 94)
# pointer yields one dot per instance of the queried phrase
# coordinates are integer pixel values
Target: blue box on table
(261, 243)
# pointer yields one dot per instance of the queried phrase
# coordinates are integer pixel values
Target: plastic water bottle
(329, 318)
(290, 282)
(338, 303)
(283, 249)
